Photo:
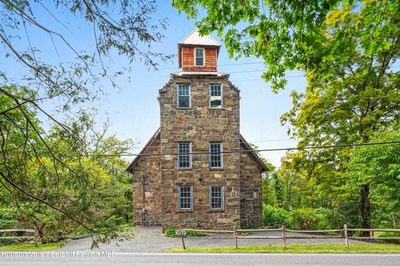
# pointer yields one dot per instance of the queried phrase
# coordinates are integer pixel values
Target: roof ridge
(194, 37)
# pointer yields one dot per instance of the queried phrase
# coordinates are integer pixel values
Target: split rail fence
(32, 234)
(316, 234)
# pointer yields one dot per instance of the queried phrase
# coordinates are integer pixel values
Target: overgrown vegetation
(171, 232)
(97, 200)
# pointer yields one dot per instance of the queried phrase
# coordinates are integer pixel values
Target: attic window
(199, 56)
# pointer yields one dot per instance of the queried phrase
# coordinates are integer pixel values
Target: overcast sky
(134, 110)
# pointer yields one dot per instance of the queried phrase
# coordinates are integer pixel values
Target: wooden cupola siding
(187, 58)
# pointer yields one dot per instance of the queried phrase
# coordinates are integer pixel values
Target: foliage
(300, 248)
(349, 51)
(378, 166)
(274, 216)
(55, 181)
(44, 174)
(171, 232)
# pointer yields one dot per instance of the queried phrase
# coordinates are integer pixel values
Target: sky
(133, 110)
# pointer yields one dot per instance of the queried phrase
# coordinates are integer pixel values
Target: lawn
(27, 246)
(300, 248)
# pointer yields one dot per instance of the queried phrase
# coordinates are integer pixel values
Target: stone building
(191, 173)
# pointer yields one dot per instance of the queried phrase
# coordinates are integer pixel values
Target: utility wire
(251, 150)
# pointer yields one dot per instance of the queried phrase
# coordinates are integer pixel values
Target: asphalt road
(156, 259)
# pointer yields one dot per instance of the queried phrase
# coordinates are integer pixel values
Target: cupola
(198, 53)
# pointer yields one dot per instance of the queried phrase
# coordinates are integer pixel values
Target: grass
(300, 248)
(29, 246)
(171, 232)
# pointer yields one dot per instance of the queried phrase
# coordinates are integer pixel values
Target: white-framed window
(199, 56)
(216, 155)
(216, 197)
(215, 96)
(185, 197)
(184, 155)
(183, 95)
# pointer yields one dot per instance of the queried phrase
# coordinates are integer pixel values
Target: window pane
(185, 197)
(215, 96)
(216, 197)
(184, 156)
(183, 96)
(184, 102)
(215, 155)
(199, 57)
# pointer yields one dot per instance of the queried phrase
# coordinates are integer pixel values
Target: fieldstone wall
(147, 203)
(251, 192)
(157, 204)
(200, 125)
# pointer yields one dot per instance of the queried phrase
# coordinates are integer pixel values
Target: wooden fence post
(284, 236)
(35, 236)
(183, 241)
(235, 235)
(346, 237)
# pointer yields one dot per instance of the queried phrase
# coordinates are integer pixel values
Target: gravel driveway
(150, 239)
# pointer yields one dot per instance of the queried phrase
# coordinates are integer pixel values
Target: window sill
(182, 210)
(216, 210)
(216, 168)
(215, 108)
(183, 108)
(185, 169)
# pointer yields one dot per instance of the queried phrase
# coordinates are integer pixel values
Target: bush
(315, 219)
(303, 219)
(171, 232)
(274, 216)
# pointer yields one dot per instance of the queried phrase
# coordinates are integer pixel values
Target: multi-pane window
(185, 197)
(199, 56)
(184, 155)
(216, 154)
(183, 96)
(216, 197)
(215, 96)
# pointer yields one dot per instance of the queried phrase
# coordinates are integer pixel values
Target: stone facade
(199, 124)
(156, 175)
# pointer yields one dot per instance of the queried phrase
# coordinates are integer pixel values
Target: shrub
(274, 216)
(303, 219)
(171, 232)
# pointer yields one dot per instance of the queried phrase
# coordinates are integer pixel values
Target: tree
(91, 190)
(119, 28)
(379, 168)
(348, 50)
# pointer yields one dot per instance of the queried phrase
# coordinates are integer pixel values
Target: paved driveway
(150, 239)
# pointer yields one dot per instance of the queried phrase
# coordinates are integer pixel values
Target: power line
(351, 145)
(227, 64)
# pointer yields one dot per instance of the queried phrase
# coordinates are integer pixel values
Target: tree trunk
(364, 208)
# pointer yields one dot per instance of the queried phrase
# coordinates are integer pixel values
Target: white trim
(204, 57)
(177, 96)
(209, 95)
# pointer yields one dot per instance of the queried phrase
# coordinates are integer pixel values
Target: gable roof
(253, 154)
(242, 141)
(194, 38)
(148, 144)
